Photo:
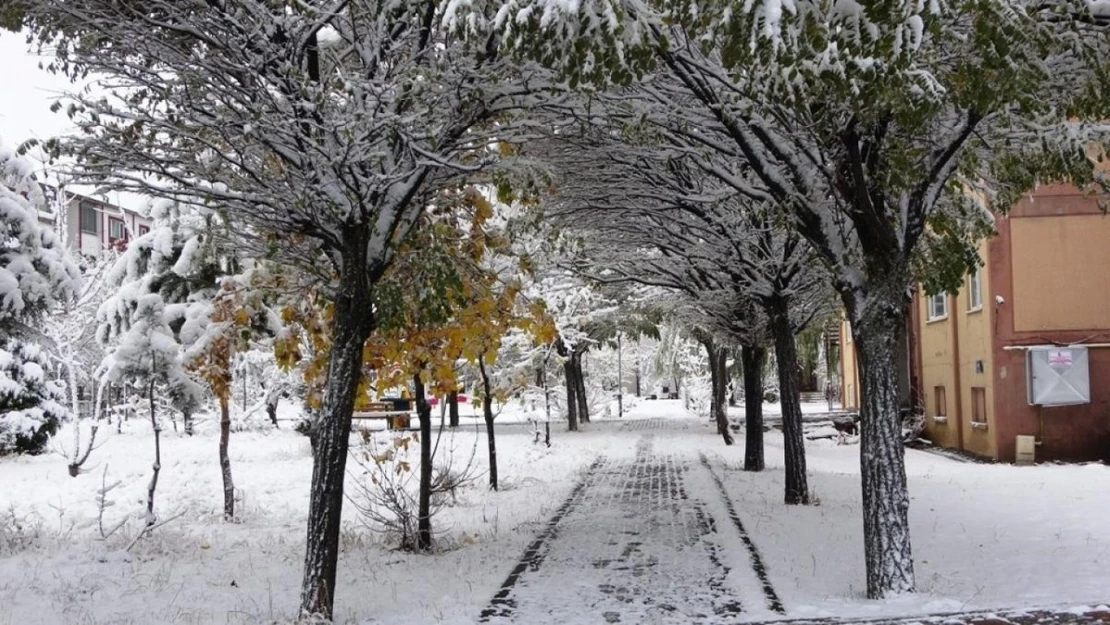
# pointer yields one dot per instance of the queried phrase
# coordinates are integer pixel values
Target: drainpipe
(956, 371)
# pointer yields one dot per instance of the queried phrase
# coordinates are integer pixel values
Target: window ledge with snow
(979, 425)
(936, 319)
(940, 419)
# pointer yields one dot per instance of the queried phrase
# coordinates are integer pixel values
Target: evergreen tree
(35, 276)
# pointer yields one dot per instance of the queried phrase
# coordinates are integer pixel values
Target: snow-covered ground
(199, 569)
(773, 411)
(985, 536)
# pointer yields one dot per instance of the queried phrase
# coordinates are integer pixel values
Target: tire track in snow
(631, 546)
(773, 601)
(502, 604)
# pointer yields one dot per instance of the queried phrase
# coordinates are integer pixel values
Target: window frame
(940, 402)
(82, 224)
(975, 290)
(112, 222)
(143, 229)
(979, 408)
(931, 301)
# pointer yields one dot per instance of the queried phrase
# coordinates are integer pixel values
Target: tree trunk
(717, 410)
(711, 353)
(157, 466)
(546, 393)
(786, 359)
(225, 461)
(732, 384)
(752, 358)
(424, 512)
(271, 411)
(487, 414)
(353, 322)
(886, 504)
(580, 389)
(572, 395)
(721, 403)
(620, 379)
(453, 409)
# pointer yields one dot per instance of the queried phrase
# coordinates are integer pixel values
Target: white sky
(26, 93)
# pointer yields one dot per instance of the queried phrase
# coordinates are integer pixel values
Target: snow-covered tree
(157, 286)
(864, 123)
(321, 126)
(35, 276)
(153, 284)
(74, 349)
(651, 214)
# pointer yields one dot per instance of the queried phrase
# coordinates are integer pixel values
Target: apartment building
(95, 225)
(1016, 365)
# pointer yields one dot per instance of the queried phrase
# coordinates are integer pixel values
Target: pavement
(642, 540)
(631, 545)
(1048, 616)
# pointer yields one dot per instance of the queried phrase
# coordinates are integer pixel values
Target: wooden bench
(394, 419)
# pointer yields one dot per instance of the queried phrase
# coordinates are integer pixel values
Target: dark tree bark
(271, 409)
(572, 388)
(717, 406)
(157, 466)
(225, 461)
(580, 387)
(753, 358)
(546, 393)
(711, 353)
(886, 531)
(572, 397)
(487, 414)
(187, 419)
(352, 325)
(453, 409)
(786, 357)
(424, 511)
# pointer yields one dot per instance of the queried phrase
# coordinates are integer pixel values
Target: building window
(940, 402)
(90, 219)
(979, 404)
(975, 290)
(143, 230)
(938, 306)
(116, 229)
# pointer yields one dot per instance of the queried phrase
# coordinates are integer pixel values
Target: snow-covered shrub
(31, 404)
(18, 532)
(35, 275)
(155, 282)
(387, 489)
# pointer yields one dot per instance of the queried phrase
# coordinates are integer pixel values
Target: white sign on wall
(1057, 376)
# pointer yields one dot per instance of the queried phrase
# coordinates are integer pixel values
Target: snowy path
(632, 545)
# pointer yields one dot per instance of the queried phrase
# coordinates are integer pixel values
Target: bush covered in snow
(31, 405)
(35, 274)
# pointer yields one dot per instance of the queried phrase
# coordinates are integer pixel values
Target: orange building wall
(1061, 277)
(1050, 301)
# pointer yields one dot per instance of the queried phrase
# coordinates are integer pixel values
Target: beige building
(1036, 316)
(93, 225)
